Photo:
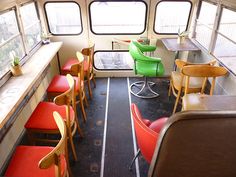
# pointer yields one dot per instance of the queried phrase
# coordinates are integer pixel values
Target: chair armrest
(144, 48)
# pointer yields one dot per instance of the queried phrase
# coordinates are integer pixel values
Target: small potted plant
(181, 36)
(45, 38)
(15, 65)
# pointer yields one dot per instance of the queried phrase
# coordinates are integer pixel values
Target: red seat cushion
(24, 162)
(66, 67)
(42, 117)
(158, 124)
(59, 84)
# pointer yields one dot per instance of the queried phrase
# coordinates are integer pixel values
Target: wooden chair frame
(54, 157)
(202, 71)
(178, 90)
(66, 99)
(89, 52)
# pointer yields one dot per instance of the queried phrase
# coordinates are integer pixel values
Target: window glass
(10, 40)
(172, 16)
(113, 60)
(31, 24)
(205, 23)
(63, 17)
(228, 24)
(118, 17)
(226, 47)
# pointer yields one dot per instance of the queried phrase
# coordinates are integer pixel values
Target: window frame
(187, 24)
(27, 53)
(213, 29)
(48, 26)
(145, 21)
(32, 50)
(7, 75)
(217, 32)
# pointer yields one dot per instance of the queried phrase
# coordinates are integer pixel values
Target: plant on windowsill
(15, 65)
(181, 36)
(45, 38)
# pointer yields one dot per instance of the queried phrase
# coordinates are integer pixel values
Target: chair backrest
(144, 48)
(145, 65)
(78, 69)
(205, 71)
(54, 157)
(181, 63)
(89, 52)
(146, 137)
(196, 144)
(67, 98)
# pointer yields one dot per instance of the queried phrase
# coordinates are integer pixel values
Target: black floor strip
(119, 143)
(89, 148)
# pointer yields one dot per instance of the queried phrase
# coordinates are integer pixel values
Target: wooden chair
(41, 120)
(59, 84)
(88, 66)
(177, 86)
(37, 161)
(200, 71)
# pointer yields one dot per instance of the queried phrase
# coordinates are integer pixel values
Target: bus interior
(151, 79)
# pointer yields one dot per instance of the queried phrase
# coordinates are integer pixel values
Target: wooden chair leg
(176, 101)
(89, 89)
(72, 145)
(85, 100)
(67, 161)
(76, 119)
(170, 86)
(78, 127)
(94, 82)
(82, 107)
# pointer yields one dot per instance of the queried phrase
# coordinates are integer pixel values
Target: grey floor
(119, 148)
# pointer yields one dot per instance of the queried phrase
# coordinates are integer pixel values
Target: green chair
(146, 66)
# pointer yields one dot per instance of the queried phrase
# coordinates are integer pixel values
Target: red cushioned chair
(41, 120)
(59, 84)
(41, 161)
(147, 133)
(88, 67)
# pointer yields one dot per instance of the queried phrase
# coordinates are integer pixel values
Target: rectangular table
(214, 102)
(172, 45)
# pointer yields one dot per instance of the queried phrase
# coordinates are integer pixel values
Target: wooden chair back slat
(54, 157)
(205, 71)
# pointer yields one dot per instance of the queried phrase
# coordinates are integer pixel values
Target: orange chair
(41, 120)
(88, 67)
(147, 134)
(41, 161)
(59, 85)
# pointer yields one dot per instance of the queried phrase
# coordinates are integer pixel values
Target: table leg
(58, 61)
(176, 57)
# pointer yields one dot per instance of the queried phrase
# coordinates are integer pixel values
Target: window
(205, 23)
(63, 18)
(172, 16)
(226, 36)
(31, 25)
(118, 17)
(113, 60)
(10, 40)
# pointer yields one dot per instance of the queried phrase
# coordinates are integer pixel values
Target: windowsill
(15, 89)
